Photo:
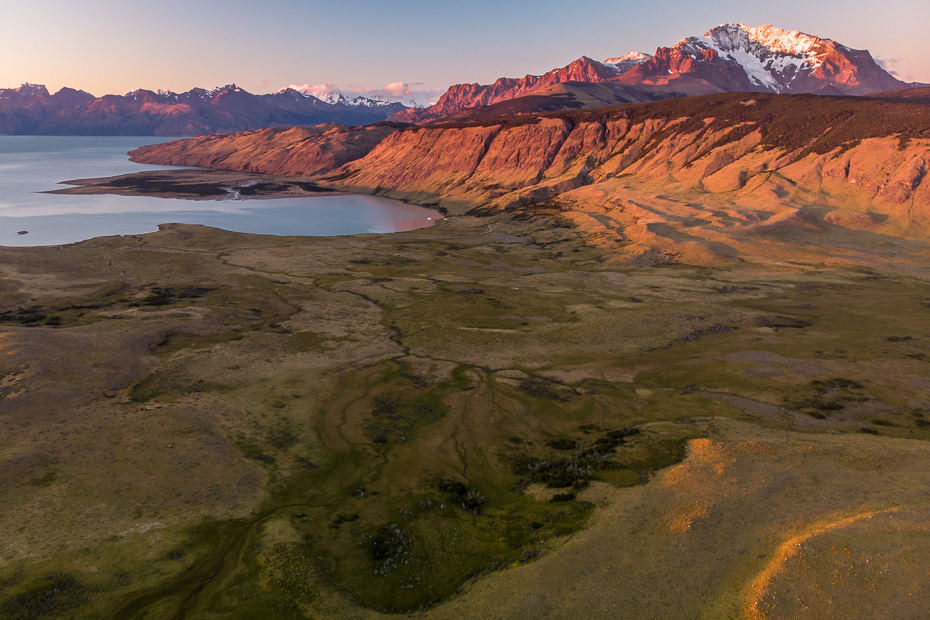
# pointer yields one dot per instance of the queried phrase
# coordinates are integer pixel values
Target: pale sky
(114, 46)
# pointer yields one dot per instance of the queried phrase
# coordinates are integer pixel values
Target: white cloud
(316, 90)
(896, 67)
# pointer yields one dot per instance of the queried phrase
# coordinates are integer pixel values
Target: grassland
(483, 419)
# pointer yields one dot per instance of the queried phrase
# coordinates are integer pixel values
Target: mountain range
(728, 58)
(697, 177)
(31, 109)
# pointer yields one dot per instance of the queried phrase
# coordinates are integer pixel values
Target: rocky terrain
(31, 110)
(294, 151)
(697, 178)
(728, 58)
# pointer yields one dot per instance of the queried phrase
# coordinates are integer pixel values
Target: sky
(411, 50)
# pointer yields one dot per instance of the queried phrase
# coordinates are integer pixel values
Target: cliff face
(685, 176)
(296, 151)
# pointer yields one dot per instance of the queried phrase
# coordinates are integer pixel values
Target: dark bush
(562, 443)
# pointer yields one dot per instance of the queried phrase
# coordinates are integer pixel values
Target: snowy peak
(624, 63)
(631, 57)
(774, 40)
(771, 59)
(220, 90)
(730, 57)
(31, 90)
(334, 97)
(369, 102)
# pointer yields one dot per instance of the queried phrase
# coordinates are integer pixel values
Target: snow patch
(631, 57)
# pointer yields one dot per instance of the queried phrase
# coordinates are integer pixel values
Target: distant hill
(728, 58)
(32, 110)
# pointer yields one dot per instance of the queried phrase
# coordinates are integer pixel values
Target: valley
(659, 356)
(201, 423)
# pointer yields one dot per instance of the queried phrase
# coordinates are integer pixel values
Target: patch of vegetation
(562, 443)
(160, 297)
(389, 548)
(46, 480)
(777, 322)
(540, 388)
(163, 184)
(716, 329)
(342, 518)
(289, 567)
(263, 188)
(827, 395)
(33, 314)
(576, 470)
(394, 418)
(48, 598)
(310, 186)
(460, 495)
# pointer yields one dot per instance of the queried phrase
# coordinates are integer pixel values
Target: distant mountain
(30, 109)
(728, 58)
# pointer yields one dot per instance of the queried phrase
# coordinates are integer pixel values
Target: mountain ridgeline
(32, 110)
(728, 58)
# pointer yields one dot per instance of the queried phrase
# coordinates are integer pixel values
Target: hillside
(294, 151)
(637, 177)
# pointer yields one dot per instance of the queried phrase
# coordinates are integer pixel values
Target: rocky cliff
(295, 151)
(681, 175)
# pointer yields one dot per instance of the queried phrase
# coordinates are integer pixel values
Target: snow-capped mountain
(335, 97)
(770, 59)
(628, 61)
(728, 58)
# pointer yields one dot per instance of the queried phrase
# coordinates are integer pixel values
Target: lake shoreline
(197, 184)
(106, 194)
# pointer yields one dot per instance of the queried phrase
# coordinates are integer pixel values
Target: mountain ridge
(32, 110)
(742, 163)
(728, 58)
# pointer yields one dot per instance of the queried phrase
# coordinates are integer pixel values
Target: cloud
(404, 92)
(888, 64)
(896, 67)
(317, 90)
(395, 90)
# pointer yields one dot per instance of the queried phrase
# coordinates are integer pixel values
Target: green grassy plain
(204, 424)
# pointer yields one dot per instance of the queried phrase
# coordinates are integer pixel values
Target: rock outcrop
(295, 151)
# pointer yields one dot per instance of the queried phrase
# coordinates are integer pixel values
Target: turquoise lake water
(30, 165)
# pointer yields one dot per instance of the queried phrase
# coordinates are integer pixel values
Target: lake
(33, 164)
